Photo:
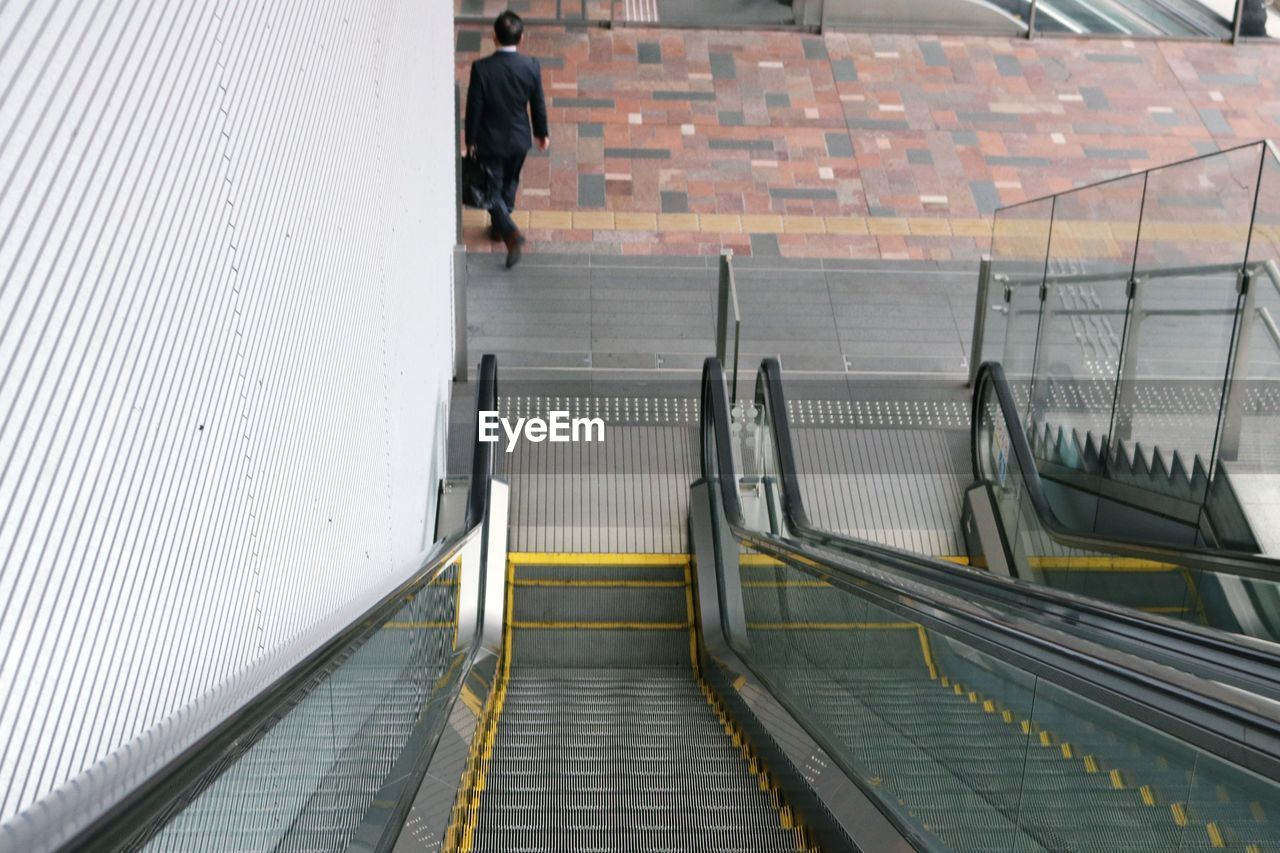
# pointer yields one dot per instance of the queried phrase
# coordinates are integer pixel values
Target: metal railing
(985, 306)
(130, 798)
(728, 319)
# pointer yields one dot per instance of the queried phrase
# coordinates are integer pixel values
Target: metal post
(728, 319)
(980, 317)
(460, 313)
(1236, 21)
(1127, 393)
(1031, 20)
(1233, 401)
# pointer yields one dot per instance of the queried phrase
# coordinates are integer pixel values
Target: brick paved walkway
(853, 146)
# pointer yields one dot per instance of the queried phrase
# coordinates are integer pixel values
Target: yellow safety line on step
(457, 609)
(954, 558)
(1119, 779)
(759, 560)
(688, 614)
(460, 836)
(1099, 564)
(788, 818)
(508, 620)
(927, 652)
(600, 626)
(598, 583)
(563, 558)
(472, 701)
(828, 626)
(1194, 589)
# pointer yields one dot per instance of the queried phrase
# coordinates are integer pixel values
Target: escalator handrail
(1250, 723)
(1208, 559)
(171, 783)
(1239, 653)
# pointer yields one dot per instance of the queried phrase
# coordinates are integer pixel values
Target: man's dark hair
(508, 28)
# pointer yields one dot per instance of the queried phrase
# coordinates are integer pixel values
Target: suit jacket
(506, 87)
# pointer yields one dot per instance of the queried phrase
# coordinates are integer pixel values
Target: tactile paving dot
(917, 414)
(665, 411)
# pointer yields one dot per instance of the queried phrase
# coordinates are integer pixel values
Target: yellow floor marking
(562, 558)
(1148, 797)
(1215, 835)
(1099, 237)
(598, 583)
(1179, 814)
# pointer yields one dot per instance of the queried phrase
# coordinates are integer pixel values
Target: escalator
(978, 725)
(1246, 662)
(1014, 524)
(600, 718)
(762, 692)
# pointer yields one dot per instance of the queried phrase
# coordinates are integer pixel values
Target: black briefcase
(476, 190)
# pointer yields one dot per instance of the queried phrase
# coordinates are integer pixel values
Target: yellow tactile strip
(732, 223)
(1095, 237)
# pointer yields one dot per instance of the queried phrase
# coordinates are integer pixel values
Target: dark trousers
(504, 174)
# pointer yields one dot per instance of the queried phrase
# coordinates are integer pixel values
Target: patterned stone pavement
(851, 145)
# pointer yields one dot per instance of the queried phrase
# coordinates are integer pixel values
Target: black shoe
(514, 245)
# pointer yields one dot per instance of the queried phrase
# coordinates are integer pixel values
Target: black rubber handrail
(1244, 728)
(1247, 657)
(991, 375)
(168, 790)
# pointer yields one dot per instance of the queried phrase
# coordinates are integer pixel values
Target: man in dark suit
(505, 90)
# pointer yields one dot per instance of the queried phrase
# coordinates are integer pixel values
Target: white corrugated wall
(225, 233)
